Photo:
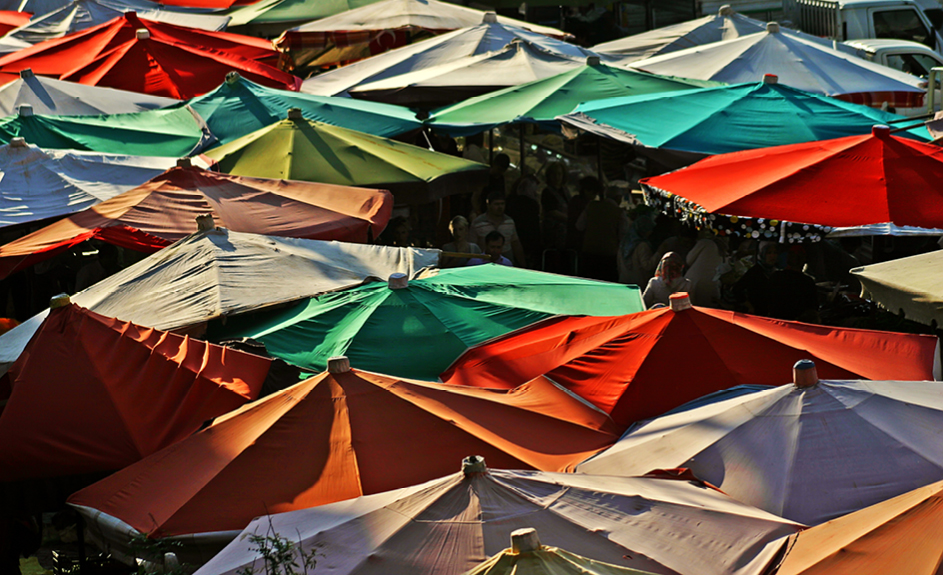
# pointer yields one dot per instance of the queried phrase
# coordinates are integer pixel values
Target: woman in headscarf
(668, 279)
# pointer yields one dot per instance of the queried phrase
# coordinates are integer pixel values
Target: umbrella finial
(770, 79)
(143, 34)
(60, 300)
(680, 301)
(804, 373)
(232, 77)
(338, 364)
(880, 131)
(294, 114)
(772, 27)
(592, 61)
(26, 73)
(18, 142)
(398, 281)
(474, 464)
(205, 223)
(25, 110)
(726, 10)
(490, 18)
(525, 540)
(184, 163)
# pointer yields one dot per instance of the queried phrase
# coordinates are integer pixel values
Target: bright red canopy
(10, 19)
(164, 210)
(641, 365)
(93, 394)
(129, 53)
(338, 436)
(845, 182)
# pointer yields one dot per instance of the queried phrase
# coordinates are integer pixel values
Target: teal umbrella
(239, 107)
(170, 133)
(418, 330)
(686, 126)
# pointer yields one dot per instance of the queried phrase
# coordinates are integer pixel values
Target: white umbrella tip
(60, 300)
(143, 34)
(18, 143)
(294, 114)
(232, 77)
(25, 110)
(26, 73)
(205, 223)
(804, 373)
(680, 301)
(770, 79)
(592, 61)
(398, 281)
(338, 364)
(726, 10)
(880, 131)
(525, 540)
(474, 464)
(772, 27)
(490, 18)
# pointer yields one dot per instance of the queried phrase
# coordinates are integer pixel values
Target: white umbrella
(809, 452)
(913, 284)
(59, 98)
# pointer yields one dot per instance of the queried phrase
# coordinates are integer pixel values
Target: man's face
(496, 207)
(494, 248)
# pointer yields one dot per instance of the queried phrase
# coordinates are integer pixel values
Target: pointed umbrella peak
(18, 142)
(726, 10)
(142, 34)
(680, 301)
(474, 465)
(881, 131)
(338, 364)
(525, 541)
(804, 374)
(770, 79)
(490, 18)
(232, 78)
(772, 27)
(26, 73)
(295, 114)
(398, 281)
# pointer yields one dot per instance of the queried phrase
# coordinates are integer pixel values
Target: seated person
(494, 247)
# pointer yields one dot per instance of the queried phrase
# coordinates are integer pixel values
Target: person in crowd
(702, 261)
(474, 148)
(668, 279)
(494, 249)
(494, 218)
(792, 293)
(574, 209)
(397, 233)
(524, 208)
(553, 200)
(637, 259)
(104, 264)
(603, 223)
(752, 289)
(458, 227)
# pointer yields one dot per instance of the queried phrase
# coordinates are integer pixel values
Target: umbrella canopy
(165, 209)
(902, 533)
(131, 53)
(619, 363)
(543, 100)
(912, 285)
(687, 126)
(10, 19)
(55, 97)
(489, 36)
(809, 452)
(846, 182)
(799, 62)
(222, 273)
(418, 329)
(300, 149)
(342, 434)
(382, 26)
(171, 133)
(40, 184)
(110, 393)
(281, 11)
(661, 524)
(239, 107)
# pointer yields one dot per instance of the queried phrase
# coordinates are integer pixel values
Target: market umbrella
(239, 107)
(220, 273)
(803, 191)
(286, 13)
(300, 149)
(900, 534)
(171, 133)
(10, 19)
(809, 452)
(665, 523)
(159, 212)
(131, 53)
(912, 285)
(40, 184)
(55, 97)
(381, 26)
(799, 62)
(679, 128)
(342, 434)
(541, 101)
(642, 365)
(417, 328)
(95, 394)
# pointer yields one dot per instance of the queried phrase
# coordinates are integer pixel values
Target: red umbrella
(641, 365)
(164, 210)
(129, 53)
(846, 182)
(10, 19)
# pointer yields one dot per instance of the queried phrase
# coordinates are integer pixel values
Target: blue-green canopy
(239, 107)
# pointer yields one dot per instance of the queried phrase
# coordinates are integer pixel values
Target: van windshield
(902, 25)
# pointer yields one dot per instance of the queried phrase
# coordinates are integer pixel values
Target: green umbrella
(419, 330)
(542, 101)
(274, 11)
(299, 149)
(239, 107)
(170, 133)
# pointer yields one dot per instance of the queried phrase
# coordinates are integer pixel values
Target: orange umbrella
(342, 434)
(164, 210)
(92, 393)
(641, 365)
